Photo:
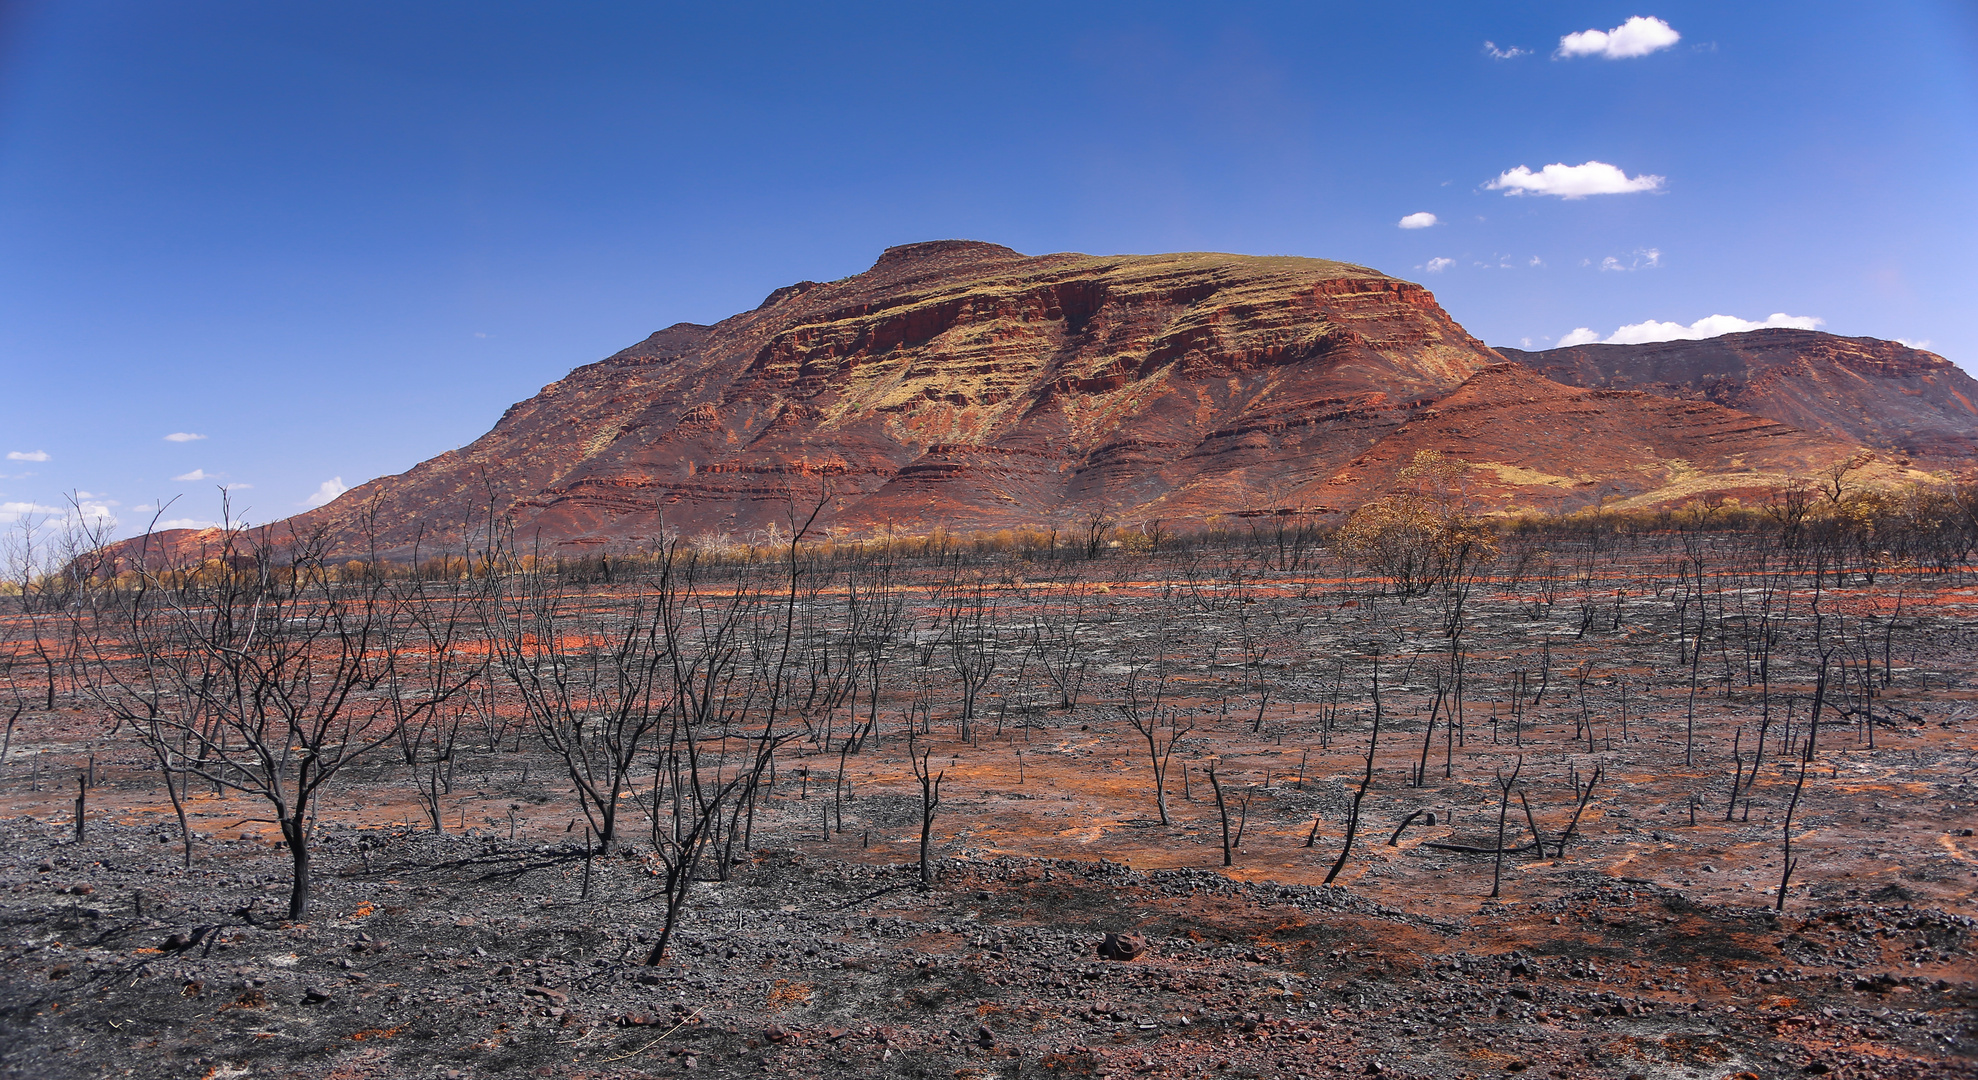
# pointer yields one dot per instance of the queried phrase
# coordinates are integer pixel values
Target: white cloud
(92, 511)
(194, 475)
(1491, 50)
(1418, 221)
(1638, 36)
(236, 487)
(27, 455)
(183, 436)
(1525, 342)
(1708, 327)
(1640, 259)
(1923, 344)
(1536, 261)
(1573, 181)
(1438, 265)
(98, 514)
(185, 523)
(14, 511)
(329, 490)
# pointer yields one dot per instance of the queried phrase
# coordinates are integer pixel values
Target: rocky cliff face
(1538, 445)
(964, 385)
(954, 383)
(1881, 394)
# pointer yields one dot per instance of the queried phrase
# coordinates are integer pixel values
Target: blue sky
(332, 240)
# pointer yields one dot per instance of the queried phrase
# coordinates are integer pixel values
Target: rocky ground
(1647, 947)
(453, 957)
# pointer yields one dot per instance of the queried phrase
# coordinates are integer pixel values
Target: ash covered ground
(466, 957)
(1636, 936)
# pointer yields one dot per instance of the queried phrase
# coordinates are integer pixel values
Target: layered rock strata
(1881, 394)
(962, 385)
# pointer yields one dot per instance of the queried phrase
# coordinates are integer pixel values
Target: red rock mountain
(1862, 390)
(963, 385)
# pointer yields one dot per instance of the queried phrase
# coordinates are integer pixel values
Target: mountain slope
(955, 383)
(1882, 394)
(1540, 445)
(960, 384)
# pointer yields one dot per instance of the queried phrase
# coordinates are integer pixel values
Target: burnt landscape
(1672, 794)
(1147, 541)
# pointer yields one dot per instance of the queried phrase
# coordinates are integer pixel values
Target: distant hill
(962, 385)
(1881, 394)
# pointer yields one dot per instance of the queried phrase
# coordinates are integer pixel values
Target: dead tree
(1366, 780)
(1158, 723)
(1394, 838)
(1096, 526)
(1573, 826)
(1255, 641)
(1428, 733)
(970, 637)
(930, 801)
(1222, 809)
(593, 686)
(436, 622)
(1787, 860)
(873, 615)
(269, 672)
(681, 838)
(1054, 633)
(1503, 808)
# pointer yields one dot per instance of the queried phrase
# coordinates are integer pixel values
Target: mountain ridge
(1896, 397)
(962, 384)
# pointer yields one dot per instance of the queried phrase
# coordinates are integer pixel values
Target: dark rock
(1123, 946)
(316, 996)
(985, 1038)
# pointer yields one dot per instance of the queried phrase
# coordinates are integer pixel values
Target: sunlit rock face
(1878, 393)
(962, 385)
